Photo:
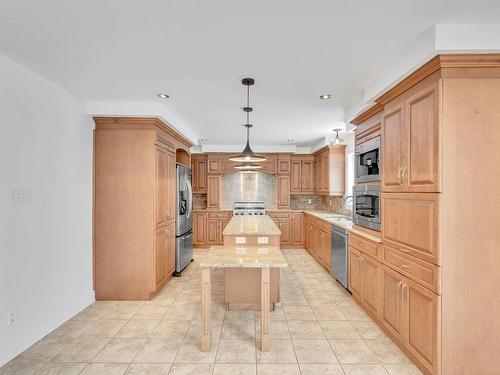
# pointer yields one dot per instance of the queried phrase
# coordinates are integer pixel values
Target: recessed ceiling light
(325, 96)
(203, 140)
(163, 96)
(290, 140)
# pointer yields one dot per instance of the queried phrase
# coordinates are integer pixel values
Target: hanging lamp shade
(249, 166)
(247, 155)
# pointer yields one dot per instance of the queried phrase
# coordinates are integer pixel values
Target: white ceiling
(198, 51)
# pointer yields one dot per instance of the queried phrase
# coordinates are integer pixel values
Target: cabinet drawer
(219, 214)
(280, 215)
(362, 244)
(422, 272)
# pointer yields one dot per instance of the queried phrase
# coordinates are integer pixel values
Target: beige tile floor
(317, 329)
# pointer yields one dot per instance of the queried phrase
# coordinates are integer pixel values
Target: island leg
(265, 305)
(206, 300)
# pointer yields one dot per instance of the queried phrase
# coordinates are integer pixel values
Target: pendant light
(247, 155)
(336, 141)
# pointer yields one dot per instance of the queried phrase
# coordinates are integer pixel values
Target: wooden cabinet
(302, 174)
(318, 239)
(214, 231)
(214, 186)
(329, 171)
(283, 191)
(284, 164)
(297, 228)
(161, 171)
(164, 255)
(199, 173)
(391, 314)
(411, 143)
(410, 224)
(364, 279)
(355, 273)
(134, 206)
(420, 322)
(199, 228)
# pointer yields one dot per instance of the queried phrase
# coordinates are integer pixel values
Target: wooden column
(265, 290)
(205, 305)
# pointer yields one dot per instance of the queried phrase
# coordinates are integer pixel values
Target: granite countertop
(251, 226)
(243, 257)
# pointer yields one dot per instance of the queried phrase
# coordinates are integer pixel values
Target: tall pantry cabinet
(134, 207)
(440, 215)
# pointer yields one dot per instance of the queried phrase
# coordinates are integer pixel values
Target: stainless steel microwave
(368, 161)
(366, 206)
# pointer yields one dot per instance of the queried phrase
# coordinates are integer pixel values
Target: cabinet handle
(398, 289)
(399, 175)
(404, 250)
(403, 292)
(404, 266)
(403, 176)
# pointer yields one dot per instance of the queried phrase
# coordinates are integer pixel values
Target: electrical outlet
(11, 318)
(309, 201)
(19, 194)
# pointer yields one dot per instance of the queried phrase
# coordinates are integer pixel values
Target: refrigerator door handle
(189, 198)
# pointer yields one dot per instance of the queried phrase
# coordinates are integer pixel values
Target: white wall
(45, 243)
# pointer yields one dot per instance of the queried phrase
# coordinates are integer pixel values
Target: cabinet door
(199, 234)
(316, 175)
(213, 231)
(283, 187)
(285, 226)
(161, 186)
(391, 313)
(297, 228)
(307, 179)
(201, 181)
(170, 249)
(171, 187)
(309, 236)
(283, 165)
(371, 295)
(355, 273)
(214, 191)
(160, 256)
(393, 148)
(410, 224)
(326, 248)
(194, 176)
(296, 178)
(422, 173)
(421, 323)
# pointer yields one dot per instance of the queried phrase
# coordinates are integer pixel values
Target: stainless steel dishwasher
(339, 259)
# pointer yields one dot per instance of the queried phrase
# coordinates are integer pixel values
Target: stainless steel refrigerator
(184, 220)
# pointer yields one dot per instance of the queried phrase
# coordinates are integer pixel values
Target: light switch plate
(19, 194)
(263, 240)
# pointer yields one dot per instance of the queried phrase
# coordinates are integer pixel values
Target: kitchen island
(261, 260)
(241, 286)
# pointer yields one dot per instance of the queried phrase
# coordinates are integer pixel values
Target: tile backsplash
(248, 187)
(319, 202)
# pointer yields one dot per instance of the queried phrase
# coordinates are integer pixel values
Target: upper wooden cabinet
(214, 187)
(199, 173)
(329, 171)
(411, 142)
(302, 178)
(284, 163)
(283, 191)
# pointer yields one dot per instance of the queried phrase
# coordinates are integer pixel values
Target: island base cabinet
(242, 288)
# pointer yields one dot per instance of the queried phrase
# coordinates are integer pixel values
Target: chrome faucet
(346, 199)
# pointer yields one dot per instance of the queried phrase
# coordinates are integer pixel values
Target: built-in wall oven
(368, 161)
(366, 210)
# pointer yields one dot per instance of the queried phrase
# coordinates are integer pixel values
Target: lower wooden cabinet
(391, 314)
(318, 239)
(164, 255)
(364, 279)
(208, 227)
(297, 228)
(420, 323)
